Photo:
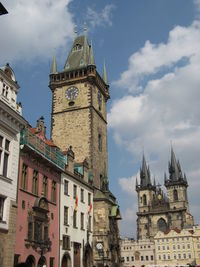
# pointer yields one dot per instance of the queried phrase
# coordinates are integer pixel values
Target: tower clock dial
(71, 93)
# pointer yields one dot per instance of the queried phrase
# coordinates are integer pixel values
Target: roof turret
(54, 66)
(175, 172)
(104, 75)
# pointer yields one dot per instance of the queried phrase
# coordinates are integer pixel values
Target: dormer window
(77, 47)
(5, 90)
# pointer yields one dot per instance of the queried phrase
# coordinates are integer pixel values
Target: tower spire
(145, 178)
(91, 55)
(54, 66)
(104, 76)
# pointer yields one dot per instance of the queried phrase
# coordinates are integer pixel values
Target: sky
(152, 54)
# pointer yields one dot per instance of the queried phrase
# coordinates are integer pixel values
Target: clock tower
(79, 117)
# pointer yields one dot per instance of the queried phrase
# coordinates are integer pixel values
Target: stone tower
(79, 100)
(79, 119)
(157, 211)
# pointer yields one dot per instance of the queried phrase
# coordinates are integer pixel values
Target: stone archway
(30, 261)
(42, 262)
(66, 260)
(88, 256)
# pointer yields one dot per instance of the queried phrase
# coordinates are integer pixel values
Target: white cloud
(183, 42)
(34, 29)
(102, 18)
(128, 184)
(167, 107)
(197, 3)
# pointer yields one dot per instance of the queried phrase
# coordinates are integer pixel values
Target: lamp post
(100, 249)
(44, 246)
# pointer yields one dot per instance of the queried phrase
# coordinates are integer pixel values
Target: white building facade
(76, 216)
(11, 122)
(139, 253)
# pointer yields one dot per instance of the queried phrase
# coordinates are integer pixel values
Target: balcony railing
(52, 154)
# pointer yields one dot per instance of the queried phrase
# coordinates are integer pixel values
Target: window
(159, 257)
(30, 230)
(158, 247)
(151, 257)
(35, 182)
(184, 256)
(37, 231)
(179, 256)
(178, 246)
(147, 258)
(4, 155)
(168, 257)
(167, 247)
(142, 258)
(53, 191)
(45, 186)
(174, 247)
(89, 199)
(183, 246)
(188, 245)
(100, 142)
(66, 242)
(74, 191)
(189, 256)
(24, 176)
(51, 262)
(46, 233)
(144, 200)
(66, 215)
(174, 256)
(132, 258)
(162, 226)
(163, 247)
(164, 257)
(75, 219)
(82, 195)
(175, 194)
(66, 187)
(82, 221)
(127, 258)
(2, 199)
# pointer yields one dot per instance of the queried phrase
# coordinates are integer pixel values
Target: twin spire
(81, 55)
(175, 174)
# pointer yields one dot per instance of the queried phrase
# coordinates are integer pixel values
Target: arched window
(162, 226)
(100, 142)
(175, 194)
(144, 200)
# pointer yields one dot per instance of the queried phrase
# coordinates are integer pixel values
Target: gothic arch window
(175, 195)
(162, 225)
(144, 200)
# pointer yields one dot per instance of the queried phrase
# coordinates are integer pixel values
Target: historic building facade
(156, 211)
(137, 253)
(76, 214)
(178, 247)
(37, 227)
(11, 122)
(79, 118)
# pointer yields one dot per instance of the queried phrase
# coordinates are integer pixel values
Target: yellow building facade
(178, 248)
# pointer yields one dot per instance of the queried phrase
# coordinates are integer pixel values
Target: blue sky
(152, 54)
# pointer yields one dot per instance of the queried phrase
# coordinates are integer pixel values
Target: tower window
(100, 142)
(162, 226)
(144, 200)
(175, 194)
(35, 182)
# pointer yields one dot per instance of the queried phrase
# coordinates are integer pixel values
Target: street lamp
(43, 246)
(100, 249)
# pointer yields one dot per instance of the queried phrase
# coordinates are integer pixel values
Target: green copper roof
(81, 54)
(115, 212)
(104, 75)
(54, 66)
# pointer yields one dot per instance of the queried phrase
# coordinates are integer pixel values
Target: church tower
(79, 98)
(79, 119)
(146, 193)
(176, 187)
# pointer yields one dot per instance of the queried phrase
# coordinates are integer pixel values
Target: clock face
(99, 246)
(71, 93)
(159, 197)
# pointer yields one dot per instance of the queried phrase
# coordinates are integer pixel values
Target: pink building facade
(37, 227)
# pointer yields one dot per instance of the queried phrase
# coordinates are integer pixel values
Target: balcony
(52, 154)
